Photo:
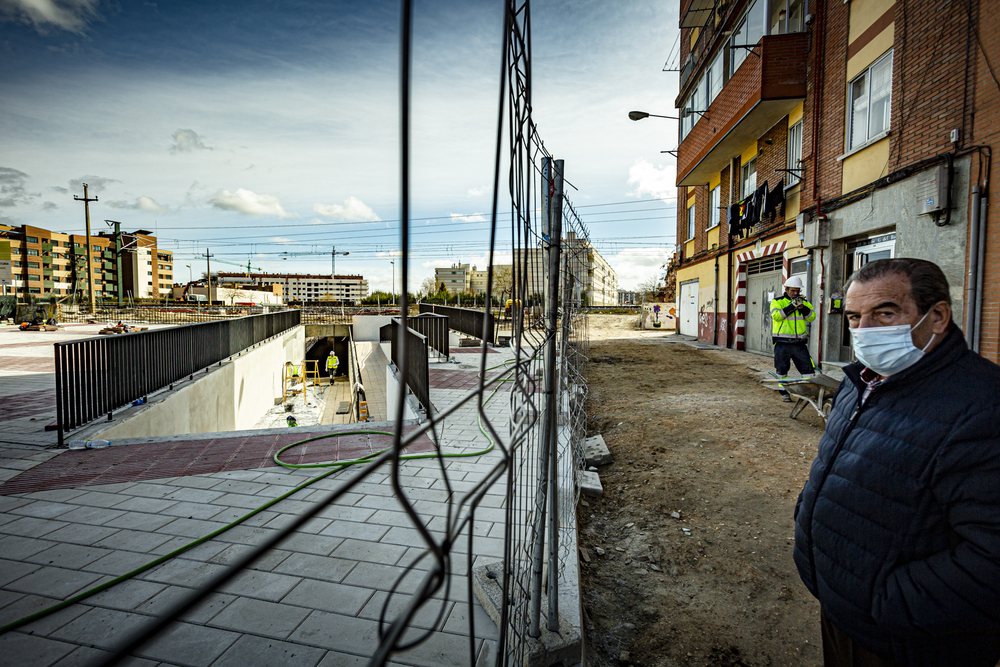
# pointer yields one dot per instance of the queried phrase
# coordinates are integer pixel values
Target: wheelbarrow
(816, 391)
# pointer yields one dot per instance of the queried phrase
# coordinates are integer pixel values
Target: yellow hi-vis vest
(332, 362)
(792, 328)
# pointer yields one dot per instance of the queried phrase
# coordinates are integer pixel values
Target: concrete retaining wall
(392, 397)
(366, 326)
(227, 398)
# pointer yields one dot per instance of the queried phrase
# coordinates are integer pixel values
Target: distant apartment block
(47, 263)
(461, 278)
(310, 288)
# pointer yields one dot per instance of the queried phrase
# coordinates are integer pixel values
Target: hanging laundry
(759, 196)
(775, 198)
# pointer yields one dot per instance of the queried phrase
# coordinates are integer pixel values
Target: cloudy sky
(260, 128)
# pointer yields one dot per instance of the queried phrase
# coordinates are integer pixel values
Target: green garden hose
(335, 466)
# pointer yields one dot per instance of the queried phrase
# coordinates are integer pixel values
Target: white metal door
(763, 284)
(689, 309)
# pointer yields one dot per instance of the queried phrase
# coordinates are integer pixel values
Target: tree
(428, 287)
(650, 286)
(503, 282)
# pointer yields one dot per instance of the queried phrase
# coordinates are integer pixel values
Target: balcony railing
(769, 84)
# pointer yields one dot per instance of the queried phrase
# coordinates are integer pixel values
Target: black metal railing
(96, 376)
(435, 327)
(465, 320)
(417, 372)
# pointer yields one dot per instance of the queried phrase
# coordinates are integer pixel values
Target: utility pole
(208, 261)
(333, 266)
(118, 255)
(90, 249)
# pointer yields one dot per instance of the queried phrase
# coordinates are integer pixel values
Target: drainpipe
(972, 280)
(979, 277)
(715, 321)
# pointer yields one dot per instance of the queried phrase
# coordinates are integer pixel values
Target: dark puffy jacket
(897, 531)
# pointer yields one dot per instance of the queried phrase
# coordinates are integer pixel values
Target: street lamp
(393, 290)
(190, 278)
(639, 115)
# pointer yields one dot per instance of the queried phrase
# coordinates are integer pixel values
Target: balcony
(762, 91)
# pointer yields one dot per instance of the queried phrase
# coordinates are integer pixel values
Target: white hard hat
(794, 282)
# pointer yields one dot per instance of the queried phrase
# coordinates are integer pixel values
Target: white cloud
(353, 210)
(94, 183)
(636, 264)
(658, 181)
(70, 15)
(188, 141)
(12, 188)
(49, 206)
(391, 253)
(478, 192)
(141, 203)
(473, 217)
(280, 239)
(248, 203)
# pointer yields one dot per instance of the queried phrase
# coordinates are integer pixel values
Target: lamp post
(190, 277)
(639, 115)
(393, 290)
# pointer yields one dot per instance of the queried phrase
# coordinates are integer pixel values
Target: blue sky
(260, 128)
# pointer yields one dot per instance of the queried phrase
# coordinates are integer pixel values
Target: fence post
(546, 497)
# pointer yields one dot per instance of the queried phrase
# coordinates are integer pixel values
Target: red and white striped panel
(741, 283)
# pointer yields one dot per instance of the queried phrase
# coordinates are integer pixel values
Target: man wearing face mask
(897, 531)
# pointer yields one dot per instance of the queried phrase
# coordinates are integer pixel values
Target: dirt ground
(690, 549)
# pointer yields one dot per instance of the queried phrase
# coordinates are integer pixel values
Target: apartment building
(455, 278)
(595, 282)
(46, 264)
(308, 288)
(816, 137)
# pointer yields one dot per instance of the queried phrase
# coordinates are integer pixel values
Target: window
(687, 118)
(749, 32)
(748, 173)
(794, 153)
(34, 290)
(714, 201)
(32, 265)
(870, 103)
(32, 253)
(786, 16)
(713, 78)
(690, 223)
(31, 239)
(698, 99)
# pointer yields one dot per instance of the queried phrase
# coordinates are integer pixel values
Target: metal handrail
(466, 320)
(417, 371)
(96, 376)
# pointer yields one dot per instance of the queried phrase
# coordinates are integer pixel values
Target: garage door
(763, 283)
(689, 309)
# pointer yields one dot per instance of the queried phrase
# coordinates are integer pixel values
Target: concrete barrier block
(596, 451)
(590, 484)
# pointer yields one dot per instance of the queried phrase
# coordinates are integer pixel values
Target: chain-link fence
(537, 441)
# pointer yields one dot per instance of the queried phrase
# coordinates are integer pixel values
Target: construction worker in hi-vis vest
(790, 318)
(331, 365)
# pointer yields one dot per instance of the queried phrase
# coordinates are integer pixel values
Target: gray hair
(928, 286)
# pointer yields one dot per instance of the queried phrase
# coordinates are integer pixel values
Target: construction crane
(246, 266)
(333, 257)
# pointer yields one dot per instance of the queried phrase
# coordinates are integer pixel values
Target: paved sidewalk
(315, 600)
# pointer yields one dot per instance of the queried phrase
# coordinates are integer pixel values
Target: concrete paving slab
(312, 566)
(250, 650)
(54, 581)
(263, 585)
(258, 617)
(72, 556)
(371, 552)
(328, 596)
(21, 649)
(101, 628)
(189, 645)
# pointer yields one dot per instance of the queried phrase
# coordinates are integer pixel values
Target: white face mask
(888, 350)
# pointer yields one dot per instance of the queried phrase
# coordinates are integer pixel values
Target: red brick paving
(452, 379)
(158, 460)
(27, 404)
(29, 343)
(32, 364)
